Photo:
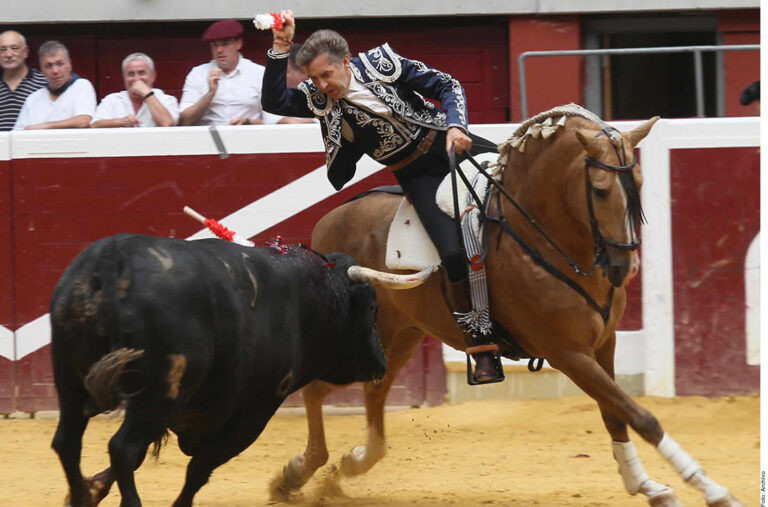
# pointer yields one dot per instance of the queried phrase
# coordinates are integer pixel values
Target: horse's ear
(590, 144)
(639, 133)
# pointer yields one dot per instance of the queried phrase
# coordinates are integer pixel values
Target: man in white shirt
(66, 102)
(139, 105)
(226, 90)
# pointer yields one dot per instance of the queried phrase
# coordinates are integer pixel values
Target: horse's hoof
(294, 473)
(666, 499)
(352, 463)
(727, 501)
(360, 460)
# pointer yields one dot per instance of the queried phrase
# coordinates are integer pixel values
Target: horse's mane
(544, 125)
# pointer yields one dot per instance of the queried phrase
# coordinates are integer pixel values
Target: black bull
(204, 338)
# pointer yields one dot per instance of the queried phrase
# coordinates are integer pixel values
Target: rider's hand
(289, 27)
(458, 139)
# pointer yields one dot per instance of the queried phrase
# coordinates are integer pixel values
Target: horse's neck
(541, 181)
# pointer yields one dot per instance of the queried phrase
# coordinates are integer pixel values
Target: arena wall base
(522, 384)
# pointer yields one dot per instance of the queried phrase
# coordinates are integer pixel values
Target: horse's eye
(600, 193)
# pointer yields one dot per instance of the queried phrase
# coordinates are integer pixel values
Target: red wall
(62, 205)
(716, 215)
(550, 81)
(741, 67)
(6, 281)
(450, 44)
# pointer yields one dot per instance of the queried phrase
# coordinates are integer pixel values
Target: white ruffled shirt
(359, 94)
(119, 105)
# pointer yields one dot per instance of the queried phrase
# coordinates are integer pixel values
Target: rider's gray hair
(52, 47)
(139, 56)
(323, 41)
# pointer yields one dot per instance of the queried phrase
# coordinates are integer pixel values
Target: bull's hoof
(360, 460)
(727, 501)
(68, 502)
(98, 489)
(665, 499)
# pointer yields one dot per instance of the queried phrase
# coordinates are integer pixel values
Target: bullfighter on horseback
(374, 104)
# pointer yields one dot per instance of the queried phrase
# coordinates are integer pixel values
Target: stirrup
(497, 363)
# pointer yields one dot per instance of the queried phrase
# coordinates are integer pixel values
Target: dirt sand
(541, 452)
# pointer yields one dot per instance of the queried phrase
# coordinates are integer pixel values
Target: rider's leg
(420, 181)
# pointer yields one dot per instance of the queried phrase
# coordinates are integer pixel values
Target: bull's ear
(638, 134)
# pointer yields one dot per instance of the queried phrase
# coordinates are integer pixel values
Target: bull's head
(361, 353)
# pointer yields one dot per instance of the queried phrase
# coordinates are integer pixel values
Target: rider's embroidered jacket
(349, 130)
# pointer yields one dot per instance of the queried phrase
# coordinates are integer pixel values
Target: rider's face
(330, 78)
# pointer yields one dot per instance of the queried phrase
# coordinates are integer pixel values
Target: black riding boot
(487, 365)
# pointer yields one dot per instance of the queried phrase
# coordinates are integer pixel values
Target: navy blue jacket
(400, 83)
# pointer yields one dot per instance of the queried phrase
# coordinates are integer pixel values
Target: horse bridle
(600, 242)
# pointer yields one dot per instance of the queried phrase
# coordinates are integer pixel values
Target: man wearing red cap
(226, 90)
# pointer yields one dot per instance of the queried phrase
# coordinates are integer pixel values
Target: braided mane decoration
(543, 125)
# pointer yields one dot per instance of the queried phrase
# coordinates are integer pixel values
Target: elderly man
(18, 80)
(139, 105)
(67, 101)
(376, 104)
(226, 90)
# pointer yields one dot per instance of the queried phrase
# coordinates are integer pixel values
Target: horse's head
(611, 183)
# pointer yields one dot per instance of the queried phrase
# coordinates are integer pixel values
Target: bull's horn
(390, 280)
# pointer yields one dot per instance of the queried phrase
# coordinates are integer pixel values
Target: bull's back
(359, 228)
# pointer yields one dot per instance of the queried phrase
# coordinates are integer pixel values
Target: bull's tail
(103, 376)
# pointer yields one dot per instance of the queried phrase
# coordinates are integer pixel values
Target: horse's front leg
(303, 466)
(399, 351)
(618, 410)
(624, 452)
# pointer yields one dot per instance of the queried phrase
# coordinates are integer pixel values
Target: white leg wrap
(632, 472)
(690, 470)
(712, 491)
(680, 459)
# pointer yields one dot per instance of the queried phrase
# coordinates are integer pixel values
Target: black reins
(599, 241)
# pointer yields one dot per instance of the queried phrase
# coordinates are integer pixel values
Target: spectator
(139, 105)
(18, 80)
(226, 90)
(294, 75)
(67, 101)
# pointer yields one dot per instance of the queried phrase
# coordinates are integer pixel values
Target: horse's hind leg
(619, 409)
(302, 466)
(363, 457)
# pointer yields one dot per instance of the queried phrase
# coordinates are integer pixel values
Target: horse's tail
(390, 280)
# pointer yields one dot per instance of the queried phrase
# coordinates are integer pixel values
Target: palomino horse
(577, 178)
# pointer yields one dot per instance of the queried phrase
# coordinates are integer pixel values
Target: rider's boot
(487, 364)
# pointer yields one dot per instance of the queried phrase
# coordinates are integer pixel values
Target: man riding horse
(373, 104)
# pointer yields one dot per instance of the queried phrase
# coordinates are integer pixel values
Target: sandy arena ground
(518, 453)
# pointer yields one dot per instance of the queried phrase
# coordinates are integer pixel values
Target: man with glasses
(18, 79)
(226, 90)
(67, 101)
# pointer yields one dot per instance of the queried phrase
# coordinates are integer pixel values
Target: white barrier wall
(649, 352)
